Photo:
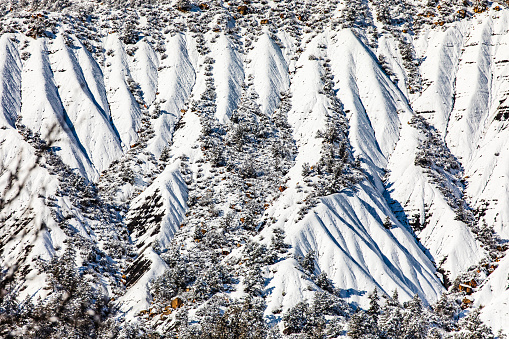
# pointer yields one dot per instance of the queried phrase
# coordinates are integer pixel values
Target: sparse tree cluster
(413, 319)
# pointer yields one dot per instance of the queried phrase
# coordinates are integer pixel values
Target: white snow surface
(43, 110)
(228, 75)
(10, 73)
(176, 81)
(270, 71)
(173, 192)
(87, 117)
(345, 229)
(94, 119)
(466, 68)
(125, 112)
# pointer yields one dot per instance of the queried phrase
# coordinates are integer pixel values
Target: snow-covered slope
(10, 70)
(88, 118)
(201, 131)
(343, 228)
(43, 110)
(125, 112)
(229, 76)
(270, 72)
(155, 215)
(466, 68)
(176, 80)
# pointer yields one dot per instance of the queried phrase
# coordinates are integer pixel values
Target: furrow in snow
(144, 70)
(125, 111)
(10, 82)
(176, 81)
(170, 191)
(473, 87)
(450, 242)
(228, 77)
(90, 122)
(370, 99)
(439, 71)
(270, 72)
(345, 229)
(43, 112)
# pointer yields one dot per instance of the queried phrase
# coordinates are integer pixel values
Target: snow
(472, 97)
(93, 117)
(487, 168)
(494, 297)
(88, 119)
(368, 94)
(345, 229)
(309, 113)
(42, 231)
(355, 251)
(10, 89)
(228, 77)
(125, 112)
(93, 75)
(144, 70)
(388, 48)
(176, 80)
(440, 67)
(270, 71)
(444, 236)
(43, 111)
(173, 191)
(466, 70)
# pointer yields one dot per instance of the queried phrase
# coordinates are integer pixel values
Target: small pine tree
(302, 319)
(360, 326)
(325, 303)
(415, 321)
(389, 322)
(308, 262)
(296, 318)
(129, 34)
(447, 311)
(374, 307)
(278, 241)
(474, 328)
(254, 282)
(324, 282)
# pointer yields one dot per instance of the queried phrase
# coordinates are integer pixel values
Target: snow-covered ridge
(150, 115)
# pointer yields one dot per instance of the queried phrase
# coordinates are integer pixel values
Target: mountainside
(254, 169)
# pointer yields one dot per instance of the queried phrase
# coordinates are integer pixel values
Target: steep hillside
(193, 169)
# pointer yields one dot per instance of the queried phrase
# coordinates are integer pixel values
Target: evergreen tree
(277, 241)
(302, 319)
(254, 282)
(474, 328)
(325, 303)
(308, 262)
(415, 321)
(241, 320)
(446, 310)
(73, 307)
(361, 326)
(390, 321)
(324, 282)
(374, 307)
(364, 324)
